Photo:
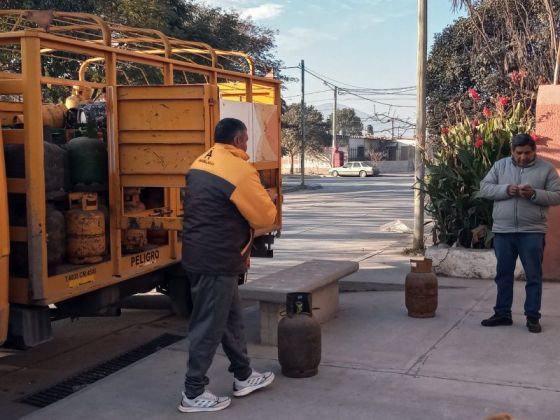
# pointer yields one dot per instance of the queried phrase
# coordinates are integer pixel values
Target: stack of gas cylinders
(75, 168)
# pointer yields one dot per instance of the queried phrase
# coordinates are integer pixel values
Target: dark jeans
(530, 248)
(216, 317)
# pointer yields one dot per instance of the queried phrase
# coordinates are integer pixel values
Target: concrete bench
(318, 277)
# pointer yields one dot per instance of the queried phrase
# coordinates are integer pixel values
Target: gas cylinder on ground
(421, 289)
(133, 240)
(85, 229)
(299, 338)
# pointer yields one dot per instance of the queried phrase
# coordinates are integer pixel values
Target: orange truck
(99, 124)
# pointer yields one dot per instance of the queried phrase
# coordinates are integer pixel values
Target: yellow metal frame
(39, 33)
(4, 249)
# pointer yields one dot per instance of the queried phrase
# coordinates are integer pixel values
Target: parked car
(361, 169)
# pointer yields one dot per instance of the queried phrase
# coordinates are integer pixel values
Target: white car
(361, 169)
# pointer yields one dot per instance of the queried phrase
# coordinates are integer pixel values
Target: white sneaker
(252, 383)
(204, 402)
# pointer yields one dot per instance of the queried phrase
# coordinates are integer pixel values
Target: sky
(353, 44)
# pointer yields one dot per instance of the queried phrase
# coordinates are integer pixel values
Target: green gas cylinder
(88, 163)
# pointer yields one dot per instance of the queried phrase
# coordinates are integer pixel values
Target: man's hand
(273, 195)
(526, 191)
(512, 190)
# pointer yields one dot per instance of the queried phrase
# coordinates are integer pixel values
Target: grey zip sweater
(517, 214)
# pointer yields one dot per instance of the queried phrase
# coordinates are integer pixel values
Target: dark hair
(227, 129)
(520, 140)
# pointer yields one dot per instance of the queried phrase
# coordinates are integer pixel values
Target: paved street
(377, 363)
(340, 220)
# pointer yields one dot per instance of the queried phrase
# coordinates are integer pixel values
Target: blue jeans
(530, 248)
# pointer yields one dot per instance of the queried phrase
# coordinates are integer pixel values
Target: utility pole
(418, 238)
(334, 125)
(302, 155)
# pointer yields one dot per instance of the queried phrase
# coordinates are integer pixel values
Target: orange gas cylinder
(421, 289)
(133, 240)
(54, 116)
(85, 229)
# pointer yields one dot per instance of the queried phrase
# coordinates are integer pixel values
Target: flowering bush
(461, 159)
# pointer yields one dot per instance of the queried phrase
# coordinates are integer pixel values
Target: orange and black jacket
(224, 203)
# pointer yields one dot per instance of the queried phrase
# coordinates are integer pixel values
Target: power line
(377, 102)
(310, 71)
(350, 92)
(307, 93)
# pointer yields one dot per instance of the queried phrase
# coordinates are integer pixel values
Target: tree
(316, 137)
(186, 19)
(503, 47)
(347, 122)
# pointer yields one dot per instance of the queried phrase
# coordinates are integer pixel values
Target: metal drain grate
(80, 381)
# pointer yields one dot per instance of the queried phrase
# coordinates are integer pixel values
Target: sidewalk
(377, 363)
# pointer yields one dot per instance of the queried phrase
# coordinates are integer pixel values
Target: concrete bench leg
(324, 298)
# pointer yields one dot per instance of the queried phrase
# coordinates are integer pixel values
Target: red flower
(486, 112)
(474, 123)
(473, 94)
(479, 142)
(515, 77)
(503, 100)
(444, 131)
(535, 136)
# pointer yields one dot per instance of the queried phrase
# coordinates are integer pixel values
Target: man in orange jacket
(224, 204)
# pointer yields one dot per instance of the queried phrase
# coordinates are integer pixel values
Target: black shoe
(533, 325)
(496, 320)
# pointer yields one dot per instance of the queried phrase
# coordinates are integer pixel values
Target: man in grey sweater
(522, 187)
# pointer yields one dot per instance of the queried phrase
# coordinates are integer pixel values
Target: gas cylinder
(88, 163)
(299, 338)
(157, 236)
(56, 170)
(154, 198)
(421, 289)
(56, 235)
(54, 115)
(55, 164)
(85, 229)
(133, 240)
